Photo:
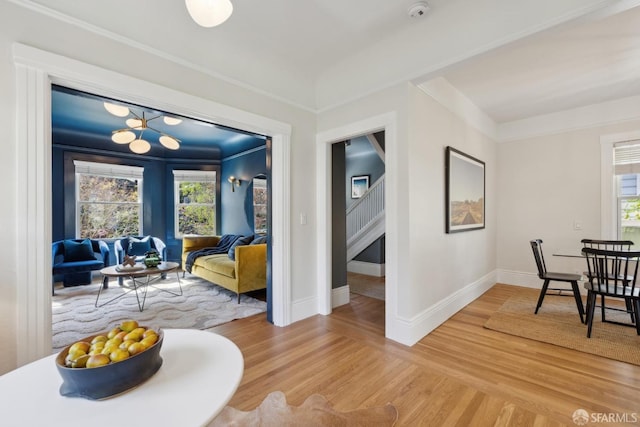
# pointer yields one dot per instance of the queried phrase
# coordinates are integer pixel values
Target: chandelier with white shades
(140, 123)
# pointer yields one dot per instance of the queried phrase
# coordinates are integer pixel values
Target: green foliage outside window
(630, 220)
(108, 207)
(631, 209)
(260, 205)
(196, 208)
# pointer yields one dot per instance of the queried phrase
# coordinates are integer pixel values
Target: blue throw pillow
(139, 247)
(240, 242)
(259, 240)
(78, 251)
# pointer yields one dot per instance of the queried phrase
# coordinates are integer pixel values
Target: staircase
(365, 220)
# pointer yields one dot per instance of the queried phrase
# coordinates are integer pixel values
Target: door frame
(384, 122)
(35, 71)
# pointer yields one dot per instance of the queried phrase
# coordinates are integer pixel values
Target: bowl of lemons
(107, 364)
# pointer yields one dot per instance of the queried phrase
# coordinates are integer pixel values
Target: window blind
(109, 170)
(626, 157)
(194, 176)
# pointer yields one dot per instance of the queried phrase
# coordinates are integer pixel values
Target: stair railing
(367, 209)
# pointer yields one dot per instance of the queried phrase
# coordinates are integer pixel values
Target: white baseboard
(519, 278)
(367, 268)
(410, 331)
(307, 307)
(303, 308)
(527, 280)
(340, 296)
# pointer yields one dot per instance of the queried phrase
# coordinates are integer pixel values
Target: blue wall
(361, 159)
(235, 210)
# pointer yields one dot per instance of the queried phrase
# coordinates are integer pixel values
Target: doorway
(358, 252)
(394, 326)
(35, 71)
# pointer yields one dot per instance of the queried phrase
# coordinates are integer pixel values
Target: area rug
(202, 305)
(557, 323)
(315, 411)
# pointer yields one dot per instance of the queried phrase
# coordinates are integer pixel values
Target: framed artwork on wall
(465, 191)
(359, 185)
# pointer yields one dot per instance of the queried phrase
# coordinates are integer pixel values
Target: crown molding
(336, 97)
(456, 102)
(38, 8)
(594, 115)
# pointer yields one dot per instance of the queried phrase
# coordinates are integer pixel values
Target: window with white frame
(195, 202)
(260, 205)
(626, 159)
(108, 200)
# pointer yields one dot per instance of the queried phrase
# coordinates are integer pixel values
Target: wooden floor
(370, 286)
(459, 375)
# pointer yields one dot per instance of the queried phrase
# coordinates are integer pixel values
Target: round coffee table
(139, 271)
(200, 373)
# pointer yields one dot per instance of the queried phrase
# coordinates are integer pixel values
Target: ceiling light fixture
(138, 123)
(209, 13)
(116, 110)
(171, 121)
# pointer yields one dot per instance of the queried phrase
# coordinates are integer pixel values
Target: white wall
(21, 25)
(7, 216)
(546, 185)
(442, 264)
(434, 274)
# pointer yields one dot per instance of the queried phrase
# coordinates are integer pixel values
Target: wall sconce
(234, 181)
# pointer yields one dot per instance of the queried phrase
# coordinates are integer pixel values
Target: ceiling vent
(418, 10)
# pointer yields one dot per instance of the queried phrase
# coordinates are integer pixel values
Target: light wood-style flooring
(369, 286)
(459, 375)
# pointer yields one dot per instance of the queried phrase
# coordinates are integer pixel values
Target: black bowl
(109, 380)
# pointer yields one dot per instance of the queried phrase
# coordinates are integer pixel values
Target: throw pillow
(240, 242)
(259, 240)
(78, 251)
(139, 247)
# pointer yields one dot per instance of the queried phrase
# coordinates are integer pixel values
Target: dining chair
(613, 275)
(610, 245)
(549, 276)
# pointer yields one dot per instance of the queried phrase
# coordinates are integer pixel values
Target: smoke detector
(418, 10)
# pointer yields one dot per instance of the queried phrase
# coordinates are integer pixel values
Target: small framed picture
(359, 185)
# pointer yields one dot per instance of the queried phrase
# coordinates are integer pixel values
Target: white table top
(199, 374)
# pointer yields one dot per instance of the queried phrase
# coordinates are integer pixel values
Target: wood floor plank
(459, 375)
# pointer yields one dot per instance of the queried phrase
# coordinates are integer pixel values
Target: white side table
(200, 373)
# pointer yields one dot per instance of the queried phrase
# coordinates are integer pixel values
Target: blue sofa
(74, 260)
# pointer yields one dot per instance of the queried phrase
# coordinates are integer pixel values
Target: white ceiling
(319, 53)
(581, 64)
